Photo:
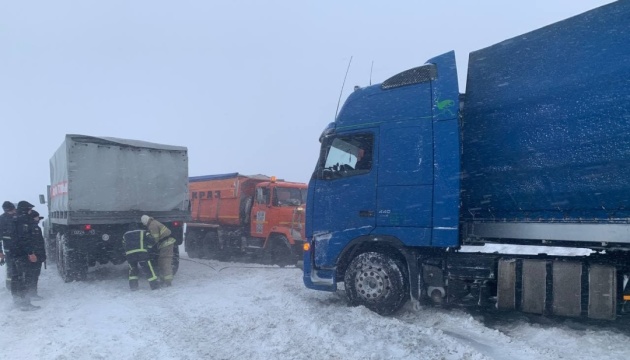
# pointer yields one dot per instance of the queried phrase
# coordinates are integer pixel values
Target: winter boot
(29, 307)
(36, 297)
(154, 284)
(133, 284)
(32, 294)
(23, 304)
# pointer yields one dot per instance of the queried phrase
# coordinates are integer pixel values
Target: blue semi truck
(536, 152)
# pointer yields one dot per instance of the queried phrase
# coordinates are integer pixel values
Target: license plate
(77, 232)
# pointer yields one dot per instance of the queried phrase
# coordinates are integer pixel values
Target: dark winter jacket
(23, 244)
(138, 242)
(7, 231)
(39, 246)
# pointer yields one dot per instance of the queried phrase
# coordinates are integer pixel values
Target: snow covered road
(250, 311)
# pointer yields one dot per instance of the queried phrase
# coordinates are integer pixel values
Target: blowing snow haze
(413, 238)
(247, 86)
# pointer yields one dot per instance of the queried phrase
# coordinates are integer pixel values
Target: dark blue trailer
(535, 152)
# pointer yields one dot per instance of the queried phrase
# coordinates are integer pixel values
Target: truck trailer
(535, 152)
(100, 187)
(246, 217)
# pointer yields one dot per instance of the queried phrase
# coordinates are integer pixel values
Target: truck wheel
(210, 247)
(246, 209)
(280, 251)
(191, 244)
(71, 263)
(48, 247)
(376, 281)
(61, 262)
(175, 262)
(54, 249)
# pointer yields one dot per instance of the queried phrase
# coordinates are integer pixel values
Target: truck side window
(217, 194)
(347, 155)
(194, 195)
(209, 196)
(262, 195)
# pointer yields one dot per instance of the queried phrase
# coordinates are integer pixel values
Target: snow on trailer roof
(227, 176)
(124, 142)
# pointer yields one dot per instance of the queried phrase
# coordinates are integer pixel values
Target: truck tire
(246, 209)
(54, 250)
(175, 262)
(191, 244)
(280, 252)
(72, 262)
(211, 247)
(49, 248)
(377, 282)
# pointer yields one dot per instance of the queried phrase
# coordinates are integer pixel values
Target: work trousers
(165, 263)
(33, 270)
(18, 269)
(141, 262)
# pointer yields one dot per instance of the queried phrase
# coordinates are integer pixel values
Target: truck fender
(379, 243)
(280, 231)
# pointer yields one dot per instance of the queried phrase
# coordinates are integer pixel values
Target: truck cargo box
(103, 180)
(546, 123)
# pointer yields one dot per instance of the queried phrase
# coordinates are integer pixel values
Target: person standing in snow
(7, 232)
(165, 244)
(39, 249)
(139, 244)
(22, 254)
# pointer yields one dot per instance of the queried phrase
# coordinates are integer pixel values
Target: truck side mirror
(42, 199)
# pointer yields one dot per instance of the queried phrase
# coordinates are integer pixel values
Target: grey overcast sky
(246, 85)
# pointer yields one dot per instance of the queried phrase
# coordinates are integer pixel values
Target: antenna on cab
(342, 85)
(371, 67)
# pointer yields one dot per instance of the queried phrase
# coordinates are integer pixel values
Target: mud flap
(414, 278)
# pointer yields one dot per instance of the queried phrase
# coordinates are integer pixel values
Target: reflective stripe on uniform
(133, 278)
(135, 251)
(167, 242)
(168, 277)
(154, 277)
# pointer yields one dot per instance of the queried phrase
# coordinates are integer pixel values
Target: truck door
(344, 202)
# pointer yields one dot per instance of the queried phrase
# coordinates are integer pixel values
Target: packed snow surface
(225, 310)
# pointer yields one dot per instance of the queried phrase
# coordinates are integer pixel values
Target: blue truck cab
(410, 200)
(535, 152)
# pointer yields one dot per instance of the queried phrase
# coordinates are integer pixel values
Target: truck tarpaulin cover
(547, 122)
(118, 175)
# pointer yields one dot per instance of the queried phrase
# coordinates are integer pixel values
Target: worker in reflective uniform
(165, 245)
(138, 247)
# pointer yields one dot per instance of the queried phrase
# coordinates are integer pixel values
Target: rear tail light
(177, 224)
(87, 227)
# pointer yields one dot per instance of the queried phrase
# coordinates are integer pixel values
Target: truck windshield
(284, 196)
(347, 156)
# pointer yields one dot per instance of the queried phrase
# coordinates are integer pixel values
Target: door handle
(366, 213)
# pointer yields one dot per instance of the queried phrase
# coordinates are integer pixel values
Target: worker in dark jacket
(39, 248)
(139, 245)
(7, 233)
(165, 243)
(22, 254)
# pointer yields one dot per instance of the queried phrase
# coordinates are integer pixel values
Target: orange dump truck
(234, 214)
